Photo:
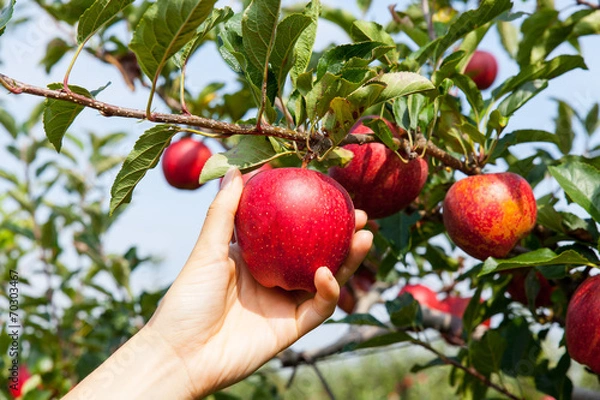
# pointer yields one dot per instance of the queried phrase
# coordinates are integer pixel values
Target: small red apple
(290, 222)
(17, 381)
(347, 300)
(482, 68)
(457, 306)
(582, 327)
(379, 182)
(516, 289)
(182, 163)
(358, 284)
(425, 296)
(486, 215)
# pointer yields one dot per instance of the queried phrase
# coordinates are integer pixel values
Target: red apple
(378, 181)
(517, 291)
(482, 68)
(182, 163)
(347, 300)
(457, 306)
(425, 296)
(16, 381)
(250, 174)
(486, 215)
(358, 284)
(290, 222)
(582, 327)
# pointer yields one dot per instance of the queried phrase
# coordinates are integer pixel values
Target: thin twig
(588, 4)
(323, 382)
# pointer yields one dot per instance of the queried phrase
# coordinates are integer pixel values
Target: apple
(16, 387)
(482, 68)
(250, 174)
(425, 296)
(486, 215)
(517, 291)
(290, 222)
(182, 163)
(358, 284)
(457, 306)
(582, 326)
(379, 182)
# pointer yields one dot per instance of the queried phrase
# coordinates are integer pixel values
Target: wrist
(146, 366)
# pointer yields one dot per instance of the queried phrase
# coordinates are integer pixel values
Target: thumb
(218, 226)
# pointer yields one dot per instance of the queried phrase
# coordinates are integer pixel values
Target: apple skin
(482, 68)
(250, 174)
(290, 222)
(378, 181)
(582, 326)
(517, 291)
(358, 284)
(347, 300)
(457, 306)
(182, 163)
(486, 215)
(24, 376)
(425, 296)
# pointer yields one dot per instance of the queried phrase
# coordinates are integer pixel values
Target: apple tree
(436, 111)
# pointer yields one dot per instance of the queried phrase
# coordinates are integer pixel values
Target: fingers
(360, 218)
(361, 243)
(313, 312)
(218, 226)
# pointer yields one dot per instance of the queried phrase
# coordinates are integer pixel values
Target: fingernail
(227, 178)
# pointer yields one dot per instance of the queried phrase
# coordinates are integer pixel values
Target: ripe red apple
(347, 300)
(482, 68)
(516, 289)
(457, 306)
(378, 181)
(17, 381)
(182, 163)
(425, 296)
(486, 215)
(290, 222)
(358, 284)
(250, 174)
(582, 327)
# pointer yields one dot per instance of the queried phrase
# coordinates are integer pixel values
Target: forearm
(145, 367)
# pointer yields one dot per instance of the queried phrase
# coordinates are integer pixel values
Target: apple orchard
(486, 237)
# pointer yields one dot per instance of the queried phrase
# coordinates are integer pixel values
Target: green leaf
(97, 15)
(588, 25)
(581, 182)
(534, 258)
(542, 70)
(324, 91)
(382, 131)
(288, 32)
(564, 127)
(55, 50)
(358, 319)
(342, 18)
(364, 5)
(591, 120)
(304, 44)
(402, 84)
(60, 114)
(259, 24)
(386, 340)
(487, 353)
(509, 37)
(217, 16)
(6, 15)
(144, 156)
(363, 31)
(466, 23)
(404, 311)
(535, 30)
(8, 122)
(520, 96)
(249, 153)
(165, 28)
(357, 54)
(340, 118)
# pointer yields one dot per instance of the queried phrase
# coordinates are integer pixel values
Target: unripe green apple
(486, 215)
(290, 222)
(582, 327)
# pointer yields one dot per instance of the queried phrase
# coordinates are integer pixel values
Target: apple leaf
(509, 37)
(358, 319)
(350, 55)
(534, 258)
(329, 87)
(385, 340)
(382, 131)
(520, 96)
(591, 120)
(165, 28)
(144, 156)
(581, 182)
(289, 30)
(99, 13)
(8, 122)
(249, 153)
(541, 70)
(402, 84)
(60, 114)
(6, 15)
(404, 311)
(464, 24)
(339, 119)
(488, 352)
(371, 31)
(304, 44)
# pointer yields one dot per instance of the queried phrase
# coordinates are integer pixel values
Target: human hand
(221, 323)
